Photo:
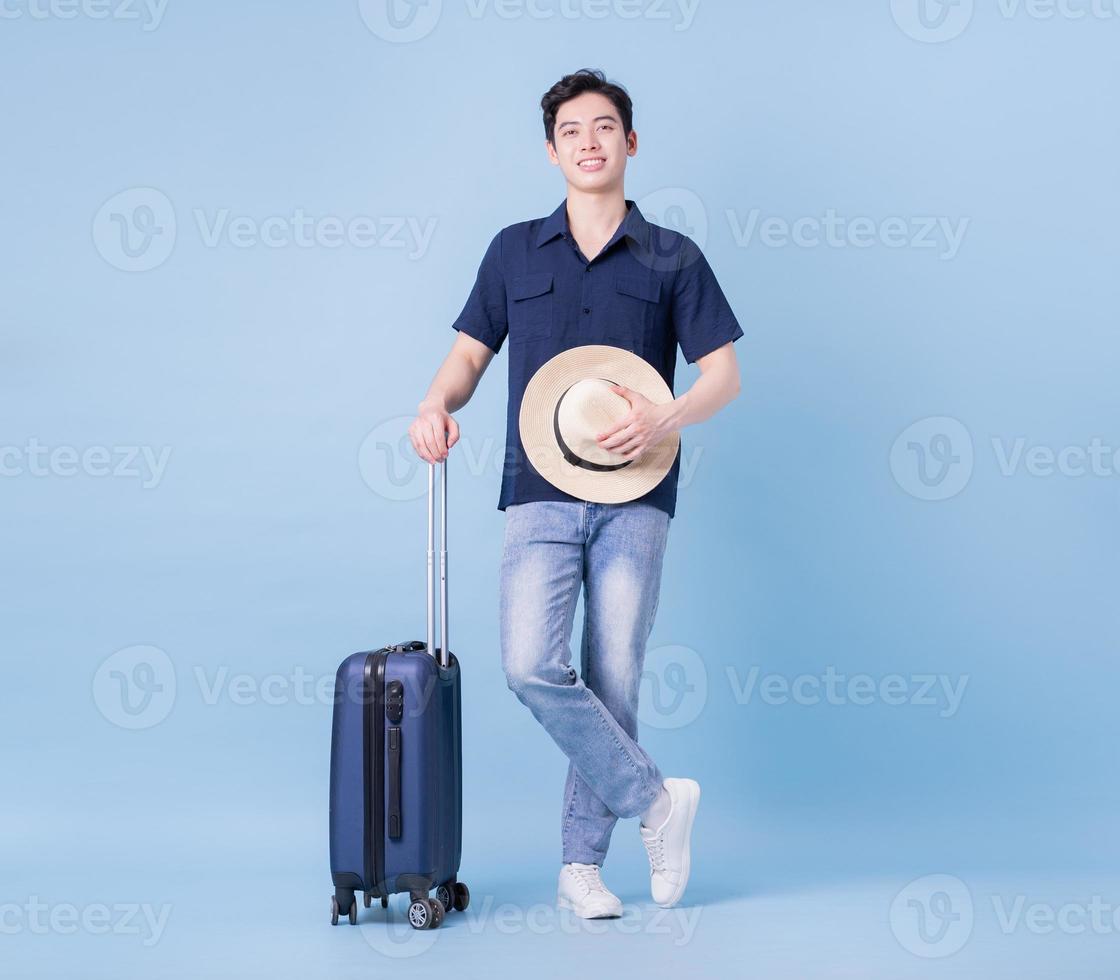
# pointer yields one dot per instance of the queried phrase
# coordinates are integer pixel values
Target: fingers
(439, 424)
(612, 442)
(419, 432)
(427, 434)
(631, 448)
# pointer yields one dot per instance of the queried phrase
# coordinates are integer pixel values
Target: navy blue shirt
(648, 290)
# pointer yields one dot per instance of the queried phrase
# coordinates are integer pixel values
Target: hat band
(567, 453)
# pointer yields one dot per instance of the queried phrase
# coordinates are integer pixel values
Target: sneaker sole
(566, 903)
(693, 806)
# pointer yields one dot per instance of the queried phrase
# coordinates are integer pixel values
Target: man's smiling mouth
(592, 163)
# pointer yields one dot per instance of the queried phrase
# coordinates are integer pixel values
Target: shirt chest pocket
(531, 299)
(633, 313)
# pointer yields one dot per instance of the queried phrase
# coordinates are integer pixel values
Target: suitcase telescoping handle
(443, 657)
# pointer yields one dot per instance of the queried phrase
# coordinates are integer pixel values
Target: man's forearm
(708, 394)
(453, 384)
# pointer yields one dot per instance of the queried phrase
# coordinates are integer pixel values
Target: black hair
(585, 80)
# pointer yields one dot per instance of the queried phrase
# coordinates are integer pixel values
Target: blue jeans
(615, 552)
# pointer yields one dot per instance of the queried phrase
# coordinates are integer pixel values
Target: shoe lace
(655, 848)
(588, 876)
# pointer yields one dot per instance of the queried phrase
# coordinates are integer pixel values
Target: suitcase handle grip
(442, 655)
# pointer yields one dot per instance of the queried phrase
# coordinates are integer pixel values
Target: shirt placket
(586, 310)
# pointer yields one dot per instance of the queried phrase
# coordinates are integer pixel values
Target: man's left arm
(706, 329)
(646, 424)
(717, 385)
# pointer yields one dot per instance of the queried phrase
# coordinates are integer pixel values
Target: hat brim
(538, 436)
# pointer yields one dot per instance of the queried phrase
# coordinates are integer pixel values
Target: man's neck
(595, 217)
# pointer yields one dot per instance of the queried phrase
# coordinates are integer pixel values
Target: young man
(593, 272)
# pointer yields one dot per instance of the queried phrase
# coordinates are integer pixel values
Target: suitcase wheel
(384, 901)
(454, 895)
(462, 897)
(351, 912)
(425, 913)
(367, 899)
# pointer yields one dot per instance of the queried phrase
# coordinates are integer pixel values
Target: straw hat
(569, 401)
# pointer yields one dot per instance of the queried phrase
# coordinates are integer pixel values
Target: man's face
(590, 147)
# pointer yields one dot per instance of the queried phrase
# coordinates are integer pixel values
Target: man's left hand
(645, 425)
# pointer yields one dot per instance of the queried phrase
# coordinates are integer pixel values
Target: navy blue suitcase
(396, 794)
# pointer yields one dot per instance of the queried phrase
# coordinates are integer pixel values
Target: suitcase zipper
(374, 732)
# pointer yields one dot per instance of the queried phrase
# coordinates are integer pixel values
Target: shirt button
(588, 268)
(587, 309)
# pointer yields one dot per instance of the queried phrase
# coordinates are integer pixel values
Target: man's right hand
(433, 432)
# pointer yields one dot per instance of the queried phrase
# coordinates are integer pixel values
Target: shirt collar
(634, 225)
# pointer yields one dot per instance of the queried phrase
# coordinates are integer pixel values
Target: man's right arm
(434, 431)
(481, 330)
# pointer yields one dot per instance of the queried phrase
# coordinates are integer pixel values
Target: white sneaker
(582, 891)
(668, 845)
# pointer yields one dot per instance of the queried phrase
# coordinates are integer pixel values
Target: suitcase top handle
(443, 657)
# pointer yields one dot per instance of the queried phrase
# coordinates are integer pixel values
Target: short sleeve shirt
(649, 290)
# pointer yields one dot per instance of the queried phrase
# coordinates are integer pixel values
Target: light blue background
(272, 543)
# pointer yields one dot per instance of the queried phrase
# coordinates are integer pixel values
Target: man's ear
(632, 143)
(551, 151)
